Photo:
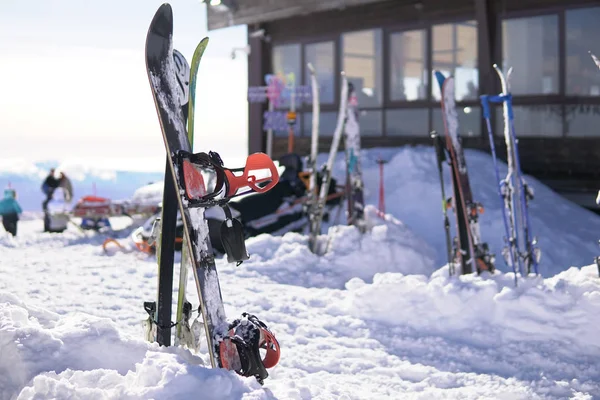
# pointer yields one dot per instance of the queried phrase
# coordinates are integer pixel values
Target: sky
(73, 83)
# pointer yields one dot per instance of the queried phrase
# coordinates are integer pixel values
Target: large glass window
(321, 56)
(582, 35)
(407, 122)
(582, 120)
(408, 66)
(454, 53)
(361, 60)
(469, 121)
(530, 46)
(370, 122)
(327, 123)
(286, 64)
(538, 120)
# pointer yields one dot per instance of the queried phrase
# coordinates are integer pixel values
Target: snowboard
(202, 181)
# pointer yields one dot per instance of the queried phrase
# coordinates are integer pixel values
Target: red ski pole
(381, 211)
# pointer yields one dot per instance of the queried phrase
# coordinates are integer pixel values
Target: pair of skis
(467, 250)
(200, 181)
(347, 124)
(520, 252)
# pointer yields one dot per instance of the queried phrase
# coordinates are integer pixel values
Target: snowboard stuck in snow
(201, 181)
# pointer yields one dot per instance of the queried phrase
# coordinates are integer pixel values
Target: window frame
(566, 102)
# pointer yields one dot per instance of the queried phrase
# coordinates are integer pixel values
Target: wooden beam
(485, 14)
(258, 65)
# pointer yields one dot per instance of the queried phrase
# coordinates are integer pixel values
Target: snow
(376, 317)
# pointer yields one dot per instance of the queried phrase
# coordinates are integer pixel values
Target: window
(286, 64)
(361, 60)
(454, 53)
(407, 122)
(582, 120)
(582, 33)
(530, 46)
(538, 120)
(321, 55)
(327, 123)
(469, 121)
(408, 66)
(370, 122)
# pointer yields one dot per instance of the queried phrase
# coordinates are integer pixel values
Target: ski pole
(485, 104)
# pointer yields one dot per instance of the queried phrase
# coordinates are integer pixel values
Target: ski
(472, 254)
(202, 182)
(597, 259)
(521, 247)
(184, 335)
(312, 197)
(354, 181)
(441, 157)
(316, 221)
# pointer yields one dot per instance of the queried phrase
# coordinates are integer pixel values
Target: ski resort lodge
(389, 48)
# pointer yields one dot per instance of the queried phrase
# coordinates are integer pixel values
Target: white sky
(73, 83)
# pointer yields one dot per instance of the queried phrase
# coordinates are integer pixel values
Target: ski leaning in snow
(521, 247)
(312, 198)
(597, 259)
(184, 335)
(316, 220)
(470, 252)
(354, 181)
(440, 153)
(203, 182)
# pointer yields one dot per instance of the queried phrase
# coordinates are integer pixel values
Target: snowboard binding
(247, 337)
(207, 183)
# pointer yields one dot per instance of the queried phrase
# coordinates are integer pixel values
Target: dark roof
(246, 12)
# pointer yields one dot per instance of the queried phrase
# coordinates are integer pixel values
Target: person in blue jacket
(10, 210)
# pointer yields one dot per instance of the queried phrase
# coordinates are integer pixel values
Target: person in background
(65, 184)
(48, 187)
(10, 210)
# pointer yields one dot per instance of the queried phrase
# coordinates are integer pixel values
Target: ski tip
(595, 59)
(440, 78)
(310, 68)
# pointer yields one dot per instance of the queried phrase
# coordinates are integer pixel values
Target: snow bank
(388, 246)
(567, 234)
(80, 356)
(538, 322)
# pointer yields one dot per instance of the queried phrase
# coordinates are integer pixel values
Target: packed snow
(376, 317)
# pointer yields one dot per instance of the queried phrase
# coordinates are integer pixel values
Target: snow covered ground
(377, 317)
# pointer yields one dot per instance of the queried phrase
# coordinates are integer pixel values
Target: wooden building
(389, 48)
